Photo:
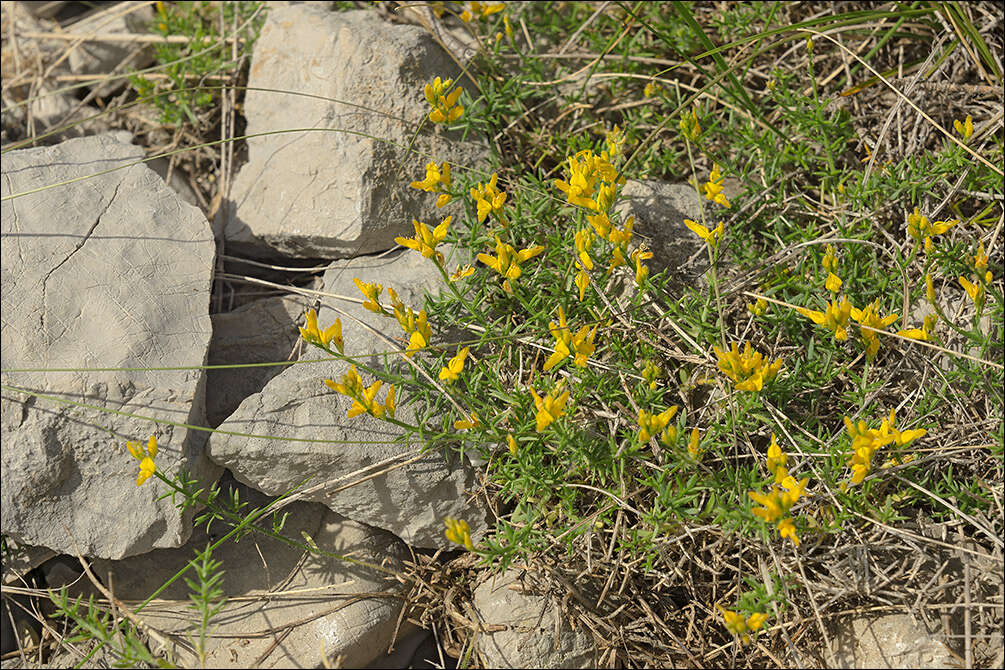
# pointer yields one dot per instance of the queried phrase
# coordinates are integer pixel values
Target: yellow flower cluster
(592, 181)
(713, 188)
(507, 261)
(776, 503)
(416, 326)
(738, 625)
(445, 107)
(866, 441)
(322, 338)
(689, 125)
(425, 240)
(834, 318)
(566, 342)
(966, 128)
(983, 276)
(145, 455)
(651, 89)
(351, 385)
(550, 407)
(749, 370)
(869, 317)
(921, 229)
(488, 198)
(437, 181)
(833, 282)
(651, 424)
(458, 532)
(476, 11)
(838, 311)
(615, 139)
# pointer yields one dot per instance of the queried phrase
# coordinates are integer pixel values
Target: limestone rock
(285, 607)
(263, 331)
(108, 277)
(529, 640)
(409, 501)
(892, 641)
(342, 188)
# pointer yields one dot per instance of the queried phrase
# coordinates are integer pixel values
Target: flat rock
(536, 634)
(296, 407)
(263, 331)
(108, 277)
(286, 607)
(892, 641)
(659, 209)
(341, 189)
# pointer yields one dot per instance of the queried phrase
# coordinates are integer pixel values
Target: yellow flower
(759, 307)
(364, 399)
(454, 366)
(437, 181)
(584, 242)
(869, 317)
(981, 259)
(900, 438)
(775, 505)
(615, 139)
(425, 240)
(582, 281)
(445, 107)
(835, 318)
(145, 455)
(458, 532)
(830, 259)
(776, 460)
(601, 224)
(650, 424)
(323, 339)
(649, 373)
(563, 338)
(419, 332)
(511, 441)
(372, 294)
(621, 238)
(689, 126)
(713, 188)
(921, 229)
(582, 344)
(975, 291)
(738, 625)
(748, 369)
(929, 289)
(550, 407)
(921, 333)
(489, 199)
(476, 11)
(651, 89)
(692, 444)
(711, 237)
(787, 529)
(641, 271)
(585, 170)
(462, 272)
(833, 283)
(966, 128)
(507, 260)
(468, 422)
(865, 442)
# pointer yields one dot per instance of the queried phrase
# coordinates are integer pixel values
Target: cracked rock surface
(111, 271)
